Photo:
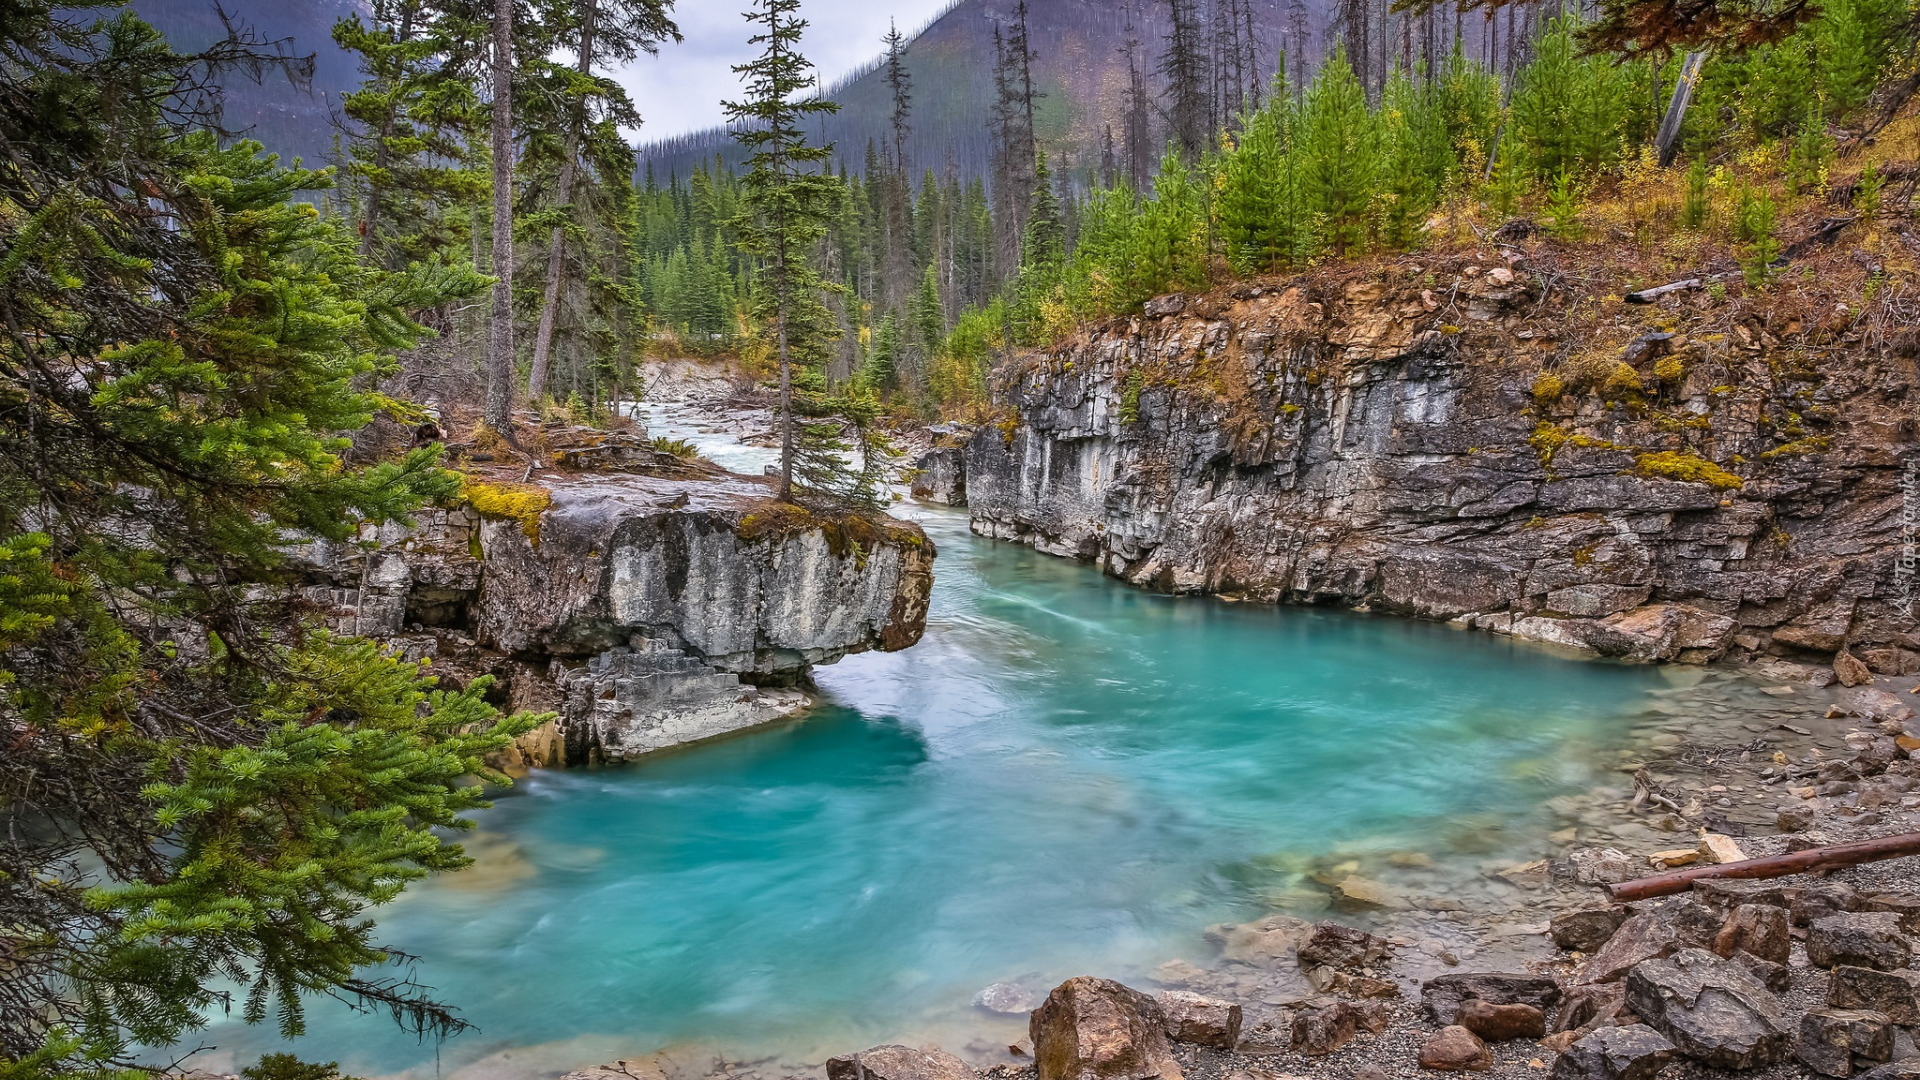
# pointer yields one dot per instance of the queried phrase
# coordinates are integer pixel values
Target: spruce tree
(203, 794)
(787, 201)
(1184, 66)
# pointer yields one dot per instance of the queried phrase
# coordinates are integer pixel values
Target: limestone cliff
(1485, 438)
(647, 610)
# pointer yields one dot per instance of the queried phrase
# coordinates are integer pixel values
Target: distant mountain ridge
(1080, 64)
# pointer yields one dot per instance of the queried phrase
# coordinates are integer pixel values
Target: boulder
(1870, 939)
(1202, 1021)
(1775, 977)
(1895, 993)
(898, 1063)
(1822, 899)
(1502, 1023)
(1758, 929)
(1831, 1040)
(1904, 904)
(1635, 1052)
(1653, 934)
(1850, 670)
(1585, 931)
(1342, 948)
(1009, 998)
(1098, 1029)
(1318, 1032)
(1593, 1006)
(1456, 1049)
(1713, 1011)
(1444, 996)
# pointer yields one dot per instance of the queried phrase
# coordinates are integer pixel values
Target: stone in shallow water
(1007, 998)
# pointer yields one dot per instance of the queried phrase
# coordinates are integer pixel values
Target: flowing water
(1066, 777)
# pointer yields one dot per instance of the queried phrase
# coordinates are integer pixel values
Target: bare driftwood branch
(1833, 857)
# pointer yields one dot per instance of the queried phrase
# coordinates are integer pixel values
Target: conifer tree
(501, 361)
(591, 109)
(1183, 64)
(1340, 154)
(787, 202)
(203, 794)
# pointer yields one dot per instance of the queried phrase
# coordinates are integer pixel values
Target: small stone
(1668, 860)
(1863, 939)
(1793, 819)
(1369, 1072)
(1719, 850)
(1635, 1052)
(1502, 1023)
(1601, 866)
(1586, 1007)
(1904, 904)
(1202, 1021)
(1895, 993)
(1455, 1049)
(1585, 931)
(1759, 929)
(1849, 669)
(1775, 977)
(1830, 1039)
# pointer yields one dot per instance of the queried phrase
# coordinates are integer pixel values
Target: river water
(1068, 776)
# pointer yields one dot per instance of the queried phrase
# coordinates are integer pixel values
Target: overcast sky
(681, 89)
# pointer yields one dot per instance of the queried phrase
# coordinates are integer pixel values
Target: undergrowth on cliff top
(524, 503)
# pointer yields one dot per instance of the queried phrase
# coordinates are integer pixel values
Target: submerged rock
(1098, 1029)
(1009, 998)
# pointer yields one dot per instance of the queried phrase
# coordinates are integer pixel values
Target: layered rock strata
(647, 611)
(1444, 440)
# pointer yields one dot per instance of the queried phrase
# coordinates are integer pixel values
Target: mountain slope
(291, 121)
(1079, 63)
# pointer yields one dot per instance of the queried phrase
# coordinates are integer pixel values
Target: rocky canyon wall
(1488, 439)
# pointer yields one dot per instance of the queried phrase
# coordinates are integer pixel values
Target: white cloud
(681, 89)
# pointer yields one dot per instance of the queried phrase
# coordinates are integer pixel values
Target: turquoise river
(1066, 777)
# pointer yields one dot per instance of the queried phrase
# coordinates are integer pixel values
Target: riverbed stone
(1821, 899)
(1602, 866)
(1456, 1049)
(1895, 993)
(1761, 930)
(896, 1062)
(1833, 1040)
(1443, 996)
(1011, 999)
(1263, 943)
(1713, 1011)
(1098, 1029)
(1318, 1032)
(1871, 939)
(1587, 930)
(1653, 933)
(1342, 948)
(1200, 1020)
(1502, 1023)
(1634, 1052)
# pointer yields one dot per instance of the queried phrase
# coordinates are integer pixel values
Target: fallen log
(1832, 857)
(1648, 296)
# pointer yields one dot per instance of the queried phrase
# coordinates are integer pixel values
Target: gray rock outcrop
(648, 611)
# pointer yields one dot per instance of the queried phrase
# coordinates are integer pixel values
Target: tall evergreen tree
(501, 361)
(1183, 64)
(1339, 146)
